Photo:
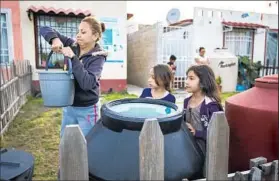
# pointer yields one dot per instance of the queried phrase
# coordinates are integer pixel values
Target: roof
(227, 23)
(182, 22)
(129, 15)
(64, 11)
(243, 25)
(58, 11)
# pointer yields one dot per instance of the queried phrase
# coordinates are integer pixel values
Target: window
(7, 53)
(220, 14)
(239, 42)
(272, 48)
(66, 25)
(210, 14)
(200, 13)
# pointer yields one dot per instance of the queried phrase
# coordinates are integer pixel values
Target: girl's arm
(185, 104)
(174, 99)
(144, 93)
(211, 109)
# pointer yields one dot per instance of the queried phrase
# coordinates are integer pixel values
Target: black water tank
(113, 143)
(16, 165)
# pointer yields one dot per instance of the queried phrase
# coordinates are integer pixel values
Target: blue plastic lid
(143, 110)
(14, 163)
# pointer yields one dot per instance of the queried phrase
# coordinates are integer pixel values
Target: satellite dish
(173, 15)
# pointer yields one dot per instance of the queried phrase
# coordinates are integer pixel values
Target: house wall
(115, 73)
(177, 41)
(142, 55)
(270, 20)
(132, 25)
(209, 34)
(15, 37)
(259, 45)
(207, 31)
(16, 27)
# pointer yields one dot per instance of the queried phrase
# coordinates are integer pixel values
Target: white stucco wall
(207, 31)
(209, 34)
(111, 9)
(132, 26)
(259, 45)
(270, 20)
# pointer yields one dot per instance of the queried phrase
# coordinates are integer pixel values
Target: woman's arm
(88, 78)
(50, 34)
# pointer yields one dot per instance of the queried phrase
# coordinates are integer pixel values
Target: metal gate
(176, 40)
(271, 64)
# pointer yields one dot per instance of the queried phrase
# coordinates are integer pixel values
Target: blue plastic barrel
(57, 87)
(240, 88)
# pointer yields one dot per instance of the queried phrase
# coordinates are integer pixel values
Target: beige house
(65, 16)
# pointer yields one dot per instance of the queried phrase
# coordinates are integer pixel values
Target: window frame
(252, 31)
(35, 17)
(8, 14)
(266, 49)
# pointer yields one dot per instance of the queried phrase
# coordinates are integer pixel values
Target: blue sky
(148, 12)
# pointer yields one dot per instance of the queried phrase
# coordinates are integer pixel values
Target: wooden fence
(74, 160)
(15, 85)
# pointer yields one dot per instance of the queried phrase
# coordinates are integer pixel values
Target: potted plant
(219, 82)
(248, 71)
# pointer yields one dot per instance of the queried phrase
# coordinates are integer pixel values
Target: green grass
(115, 96)
(36, 130)
(225, 96)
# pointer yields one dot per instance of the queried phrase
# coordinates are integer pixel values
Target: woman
(201, 59)
(87, 64)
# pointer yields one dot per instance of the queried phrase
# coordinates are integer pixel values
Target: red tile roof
(129, 15)
(243, 25)
(58, 11)
(182, 22)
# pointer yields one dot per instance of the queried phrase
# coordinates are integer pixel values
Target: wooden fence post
(274, 170)
(73, 155)
(256, 162)
(255, 174)
(238, 176)
(151, 151)
(217, 147)
(270, 170)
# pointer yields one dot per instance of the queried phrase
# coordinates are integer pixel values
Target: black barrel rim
(117, 122)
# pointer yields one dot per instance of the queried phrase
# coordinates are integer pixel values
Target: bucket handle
(69, 62)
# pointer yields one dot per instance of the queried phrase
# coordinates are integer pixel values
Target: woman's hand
(67, 52)
(56, 45)
(192, 130)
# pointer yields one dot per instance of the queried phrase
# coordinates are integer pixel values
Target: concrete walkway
(179, 94)
(133, 89)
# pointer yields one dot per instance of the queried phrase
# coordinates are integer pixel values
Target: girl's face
(151, 81)
(85, 35)
(192, 82)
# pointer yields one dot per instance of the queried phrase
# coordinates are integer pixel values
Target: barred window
(272, 48)
(6, 48)
(65, 25)
(239, 42)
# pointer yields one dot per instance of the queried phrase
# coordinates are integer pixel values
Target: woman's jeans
(85, 117)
